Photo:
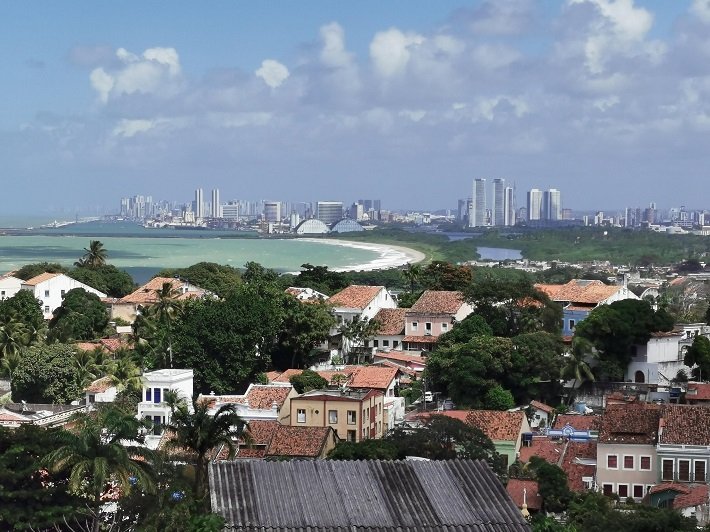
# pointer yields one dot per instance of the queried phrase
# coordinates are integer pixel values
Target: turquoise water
(142, 252)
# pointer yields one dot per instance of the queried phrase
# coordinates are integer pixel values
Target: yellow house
(355, 415)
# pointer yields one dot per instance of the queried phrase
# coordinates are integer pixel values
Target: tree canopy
(46, 374)
(105, 278)
(308, 380)
(82, 316)
(217, 278)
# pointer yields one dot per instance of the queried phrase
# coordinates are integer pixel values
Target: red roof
(306, 442)
(401, 357)
(635, 423)
(548, 450)
(42, 277)
(497, 425)
(577, 422)
(421, 339)
(391, 321)
(516, 488)
(685, 425)
(99, 385)
(376, 377)
(437, 302)
(148, 293)
(698, 391)
(542, 406)
(579, 291)
(574, 470)
(355, 296)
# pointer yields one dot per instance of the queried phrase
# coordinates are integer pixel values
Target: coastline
(390, 256)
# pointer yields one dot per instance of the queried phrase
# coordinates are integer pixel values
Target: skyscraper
(498, 202)
(199, 204)
(509, 206)
(329, 212)
(272, 211)
(534, 204)
(216, 211)
(552, 205)
(477, 215)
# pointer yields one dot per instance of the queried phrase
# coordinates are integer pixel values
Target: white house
(153, 407)
(9, 286)
(49, 289)
(101, 391)
(659, 360)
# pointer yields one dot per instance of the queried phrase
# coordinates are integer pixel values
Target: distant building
(552, 205)
(477, 214)
(230, 211)
(9, 286)
(272, 211)
(346, 225)
(534, 205)
(312, 226)
(329, 212)
(216, 205)
(199, 209)
(498, 218)
(509, 206)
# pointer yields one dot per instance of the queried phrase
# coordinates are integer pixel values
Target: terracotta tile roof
(574, 470)
(685, 425)
(355, 296)
(273, 375)
(542, 406)
(326, 374)
(408, 371)
(261, 431)
(666, 334)
(577, 422)
(375, 377)
(579, 291)
(113, 344)
(697, 496)
(437, 302)
(421, 339)
(497, 425)
(258, 396)
(670, 486)
(635, 423)
(548, 450)
(99, 385)
(148, 292)
(42, 277)
(678, 281)
(307, 442)
(88, 346)
(9, 416)
(698, 391)
(516, 488)
(391, 321)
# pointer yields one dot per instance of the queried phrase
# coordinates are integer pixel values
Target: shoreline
(389, 256)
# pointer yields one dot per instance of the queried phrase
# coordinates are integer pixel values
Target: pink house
(434, 313)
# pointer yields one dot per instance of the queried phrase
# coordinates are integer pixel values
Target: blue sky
(607, 100)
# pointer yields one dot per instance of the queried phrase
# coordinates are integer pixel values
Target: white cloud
(129, 128)
(391, 50)
(701, 9)
(157, 71)
(413, 115)
(494, 56)
(333, 54)
(273, 73)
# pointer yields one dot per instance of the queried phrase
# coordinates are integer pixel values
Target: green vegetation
(216, 278)
(82, 316)
(308, 380)
(46, 374)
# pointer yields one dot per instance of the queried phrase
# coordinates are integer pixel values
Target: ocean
(143, 252)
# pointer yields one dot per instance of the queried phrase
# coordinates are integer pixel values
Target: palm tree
(577, 366)
(8, 364)
(199, 432)
(412, 273)
(95, 255)
(96, 459)
(164, 312)
(126, 375)
(86, 366)
(13, 336)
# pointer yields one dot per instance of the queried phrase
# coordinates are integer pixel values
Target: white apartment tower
(272, 211)
(552, 205)
(498, 202)
(509, 206)
(535, 204)
(216, 209)
(477, 214)
(199, 204)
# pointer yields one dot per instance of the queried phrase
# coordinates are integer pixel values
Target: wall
(629, 477)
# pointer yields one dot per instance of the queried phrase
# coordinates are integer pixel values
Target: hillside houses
(49, 290)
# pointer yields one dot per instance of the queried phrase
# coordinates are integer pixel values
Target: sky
(405, 101)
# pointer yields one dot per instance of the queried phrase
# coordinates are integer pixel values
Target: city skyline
(585, 96)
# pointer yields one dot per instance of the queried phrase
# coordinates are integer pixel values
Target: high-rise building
(509, 206)
(216, 211)
(498, 217)
(199, 204)
(551, 205)
(230, 211)
(534, 205)
(272, 211)
(329, 212)
(477, 214)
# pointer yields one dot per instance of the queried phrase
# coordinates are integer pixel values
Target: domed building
(312, 226)
(346, 225)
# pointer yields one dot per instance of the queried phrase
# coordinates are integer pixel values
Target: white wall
(9, 286)
(51, 292)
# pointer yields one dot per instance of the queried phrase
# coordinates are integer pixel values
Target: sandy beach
(389, 256)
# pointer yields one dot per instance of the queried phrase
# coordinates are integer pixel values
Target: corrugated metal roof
(330, 495)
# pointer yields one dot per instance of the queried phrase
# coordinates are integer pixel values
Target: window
(612, 461)
(427, 327)
(46, 293)
(352, 435)
(395, 344)
(699, 471)
(63, 292)
(608, 489)
(301, 415)
(628, 462)
(92, 398)
(645, 463)
(157, 430)
(2, 293)
(415, 325)
(352, 417)
(46, 309)
(332, 416)
(444, 327)
(684, 470)
(376, 343)
(148, 396)
(385, 343)
(667, 473)
(571, 325)
(622, 490)
(156, 395)
(638, 491)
